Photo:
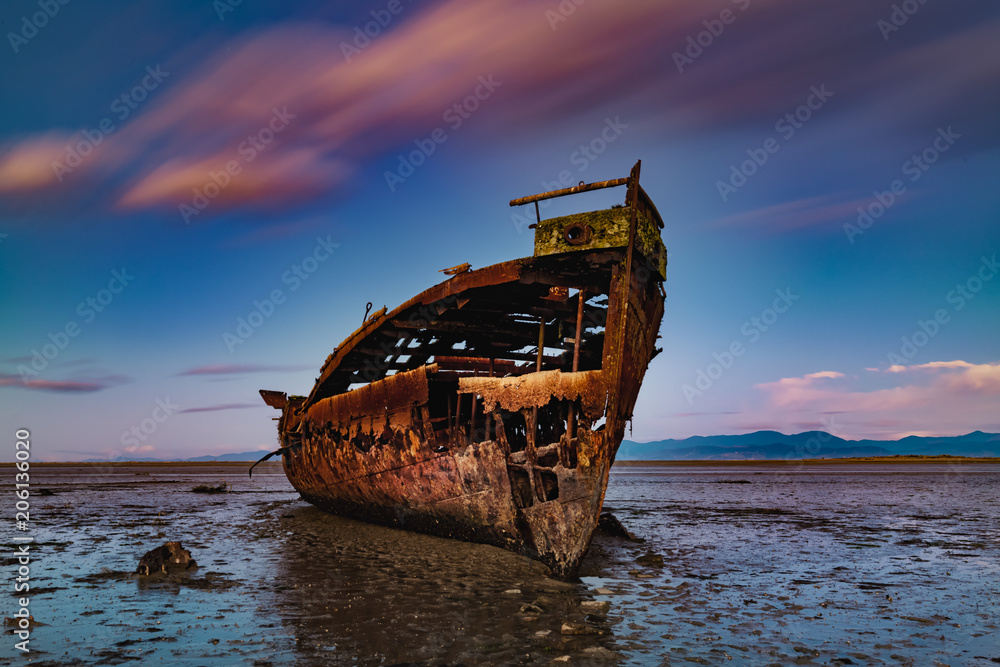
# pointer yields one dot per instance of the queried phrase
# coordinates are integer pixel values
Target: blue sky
(827, 172)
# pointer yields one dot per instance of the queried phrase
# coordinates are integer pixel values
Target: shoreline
(156, 464)
(899, 459)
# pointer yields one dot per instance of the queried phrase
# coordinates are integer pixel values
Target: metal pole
(472, 425)
(541, 343)
(571, 416)
(530, 455)
(569, 191)
(489, 417)
(581, 297)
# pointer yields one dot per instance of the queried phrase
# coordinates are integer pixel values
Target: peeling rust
(538, 389)
(490, 407)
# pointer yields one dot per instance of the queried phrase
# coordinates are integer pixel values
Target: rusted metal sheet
(489, 407)
(394, 395)
(538, 389)
(276, 399)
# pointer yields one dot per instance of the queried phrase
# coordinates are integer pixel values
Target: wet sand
(809, 564)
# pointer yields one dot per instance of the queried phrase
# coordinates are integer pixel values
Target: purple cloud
(223, 406)
(236, 369)
(66, 386)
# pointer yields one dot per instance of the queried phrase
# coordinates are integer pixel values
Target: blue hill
(772, 445)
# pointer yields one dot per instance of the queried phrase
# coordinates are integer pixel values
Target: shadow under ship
(490, 407)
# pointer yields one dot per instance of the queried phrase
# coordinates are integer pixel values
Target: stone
(571, 628)
(595, 607)
(601, 653)
(170, 556)
(650, 559)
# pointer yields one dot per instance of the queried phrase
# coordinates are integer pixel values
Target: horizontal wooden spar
(570, 191)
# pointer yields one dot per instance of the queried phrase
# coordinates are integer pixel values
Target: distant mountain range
(761, 445)
(771, 445)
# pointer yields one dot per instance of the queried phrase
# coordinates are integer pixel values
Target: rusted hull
(543, 504)
(460, 428)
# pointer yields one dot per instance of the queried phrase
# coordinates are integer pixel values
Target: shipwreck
(490, 407)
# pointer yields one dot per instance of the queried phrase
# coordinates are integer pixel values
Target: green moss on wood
(609, 230)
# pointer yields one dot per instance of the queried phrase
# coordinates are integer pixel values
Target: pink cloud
(27, 164)
(824, 374)
(65, 386)
(981, 379)
(788, 391)
(930, 365)
(348, 113)
(787, 216)
(956, 397)
(231, 369)
(223, 406)
(341, 113)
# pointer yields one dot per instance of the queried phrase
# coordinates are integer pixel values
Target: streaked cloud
(791, 215)
(239, 369)
(347, 114)
(931, 365)
(63, 386)
(223, 406)
(701, 414)
(27, 164)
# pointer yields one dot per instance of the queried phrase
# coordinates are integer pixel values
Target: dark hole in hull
(547, 484)
(571, 450)
(362, 442)
(520, 486)
(551, 423)
(515, 429)
(549, 460)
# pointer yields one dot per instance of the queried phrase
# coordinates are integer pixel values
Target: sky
(198, 200)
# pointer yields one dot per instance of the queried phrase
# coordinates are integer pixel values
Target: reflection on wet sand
(742, 565)
(345, 588)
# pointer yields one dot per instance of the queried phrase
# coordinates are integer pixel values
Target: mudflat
(754, 564)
